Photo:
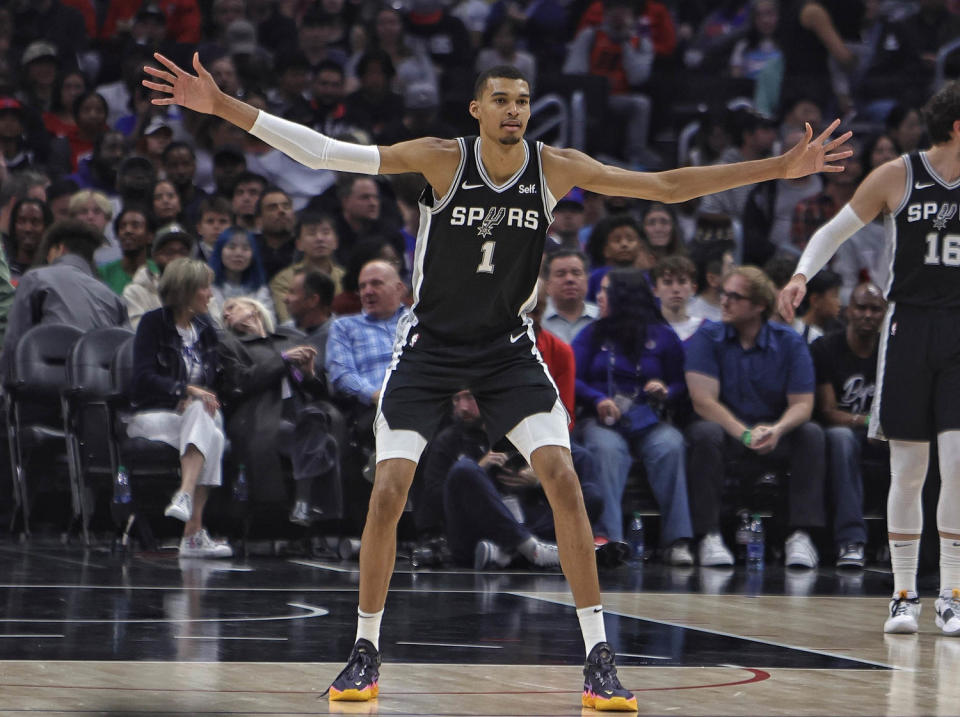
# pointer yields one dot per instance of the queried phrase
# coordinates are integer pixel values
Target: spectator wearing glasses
(751, 382)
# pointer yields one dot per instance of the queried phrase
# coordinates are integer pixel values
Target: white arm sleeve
(313, 149)
(826, 240)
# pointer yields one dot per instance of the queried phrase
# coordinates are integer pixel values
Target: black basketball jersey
(925, 236)
(479, 249)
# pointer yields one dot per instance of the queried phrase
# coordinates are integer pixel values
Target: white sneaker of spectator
(800, 551)
(713, 552)
(201, 545)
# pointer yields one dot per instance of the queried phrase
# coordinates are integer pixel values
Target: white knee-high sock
(949, 565)
(591, 625)
(908, 468)
(948, 510)
(368, 626)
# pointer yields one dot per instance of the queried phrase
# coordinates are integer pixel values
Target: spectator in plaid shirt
(360, 347)
(813, 212)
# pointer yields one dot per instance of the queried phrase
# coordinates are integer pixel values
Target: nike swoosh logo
(918, 185)
(598, 609)
(514, 339)
(900, 545)
(470, 186)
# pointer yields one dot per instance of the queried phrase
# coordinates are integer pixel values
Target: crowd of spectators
(265, 296)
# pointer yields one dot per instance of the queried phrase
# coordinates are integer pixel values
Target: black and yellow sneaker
(358, 681)
(601, 687)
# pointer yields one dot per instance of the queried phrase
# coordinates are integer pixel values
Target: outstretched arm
(882, 190)
(436, 159)
(569, 168)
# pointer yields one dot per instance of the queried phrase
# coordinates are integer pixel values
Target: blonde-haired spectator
(93, 207)
(176, 367)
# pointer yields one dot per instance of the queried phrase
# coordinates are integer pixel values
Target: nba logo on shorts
(414, 339)
(893, 329)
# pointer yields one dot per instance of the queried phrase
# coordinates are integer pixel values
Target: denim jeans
(844, 456)
(662, 450)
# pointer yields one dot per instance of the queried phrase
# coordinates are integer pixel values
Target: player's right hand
(790, 297)
(196, 93)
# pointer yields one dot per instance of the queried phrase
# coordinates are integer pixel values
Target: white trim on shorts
(541, 429)
(393, 443)
(875, 430)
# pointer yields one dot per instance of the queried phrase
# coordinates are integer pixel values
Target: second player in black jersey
(917, 396)
(924, 232)
(485, 216)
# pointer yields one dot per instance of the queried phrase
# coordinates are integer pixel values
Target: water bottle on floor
(755, 547)
(121, 487)
(635, 538)
(742, 535)
(240, 490)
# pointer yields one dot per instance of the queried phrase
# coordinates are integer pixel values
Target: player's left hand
(809, 156)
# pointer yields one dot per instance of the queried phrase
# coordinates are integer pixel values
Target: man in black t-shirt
(846, 367)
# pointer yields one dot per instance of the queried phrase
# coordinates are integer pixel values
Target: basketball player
(918, 392)
(483, 222)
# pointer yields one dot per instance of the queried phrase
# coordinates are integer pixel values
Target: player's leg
(947, 420)
(544, 441)
(398, 452)
(948, 524)
(908, 468)
(904, 404)
(554, 467)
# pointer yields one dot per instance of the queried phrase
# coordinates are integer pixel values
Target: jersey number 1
(951, 250)
(486, 260)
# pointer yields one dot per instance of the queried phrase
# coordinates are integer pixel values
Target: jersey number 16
(950, 256)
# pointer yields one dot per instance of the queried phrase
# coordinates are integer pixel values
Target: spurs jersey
(925, 236)
(479, 249)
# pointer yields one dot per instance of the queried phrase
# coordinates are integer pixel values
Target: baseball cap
(572, 200)
(10, 103)
(151, 10)
(421, 96)
(135, 161)
(38, 50)
(171, 232)
(240, 37)
(229, 154)
(156, 124)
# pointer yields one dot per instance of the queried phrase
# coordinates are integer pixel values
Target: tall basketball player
(482, 227)
(918, 395)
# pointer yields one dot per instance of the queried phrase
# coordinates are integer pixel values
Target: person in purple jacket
(629, 371)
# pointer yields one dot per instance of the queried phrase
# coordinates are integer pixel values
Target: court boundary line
(721, 633)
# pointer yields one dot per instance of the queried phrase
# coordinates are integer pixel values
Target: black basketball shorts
(506, 376)
(918, 388)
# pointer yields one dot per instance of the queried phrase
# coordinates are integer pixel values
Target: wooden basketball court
(90, 633)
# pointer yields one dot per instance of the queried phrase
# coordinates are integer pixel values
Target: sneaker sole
(948, 633)
(364, 695)
(716, 564)
(614, 704)
(901, 628)
(176, 513)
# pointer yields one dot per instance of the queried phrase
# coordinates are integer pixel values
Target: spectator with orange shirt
(615, 50)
